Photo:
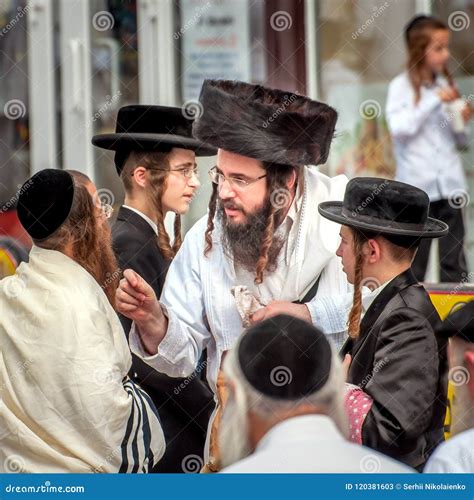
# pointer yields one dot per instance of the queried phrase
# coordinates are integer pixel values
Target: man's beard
(234, 443)
(101, 262)
(243, 242)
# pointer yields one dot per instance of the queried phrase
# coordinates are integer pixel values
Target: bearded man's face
(244, 209)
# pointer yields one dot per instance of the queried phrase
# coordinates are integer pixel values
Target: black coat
(184, 409)
(400, 362)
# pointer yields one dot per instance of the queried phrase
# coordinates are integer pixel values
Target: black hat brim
(151, 142)
(433, 228)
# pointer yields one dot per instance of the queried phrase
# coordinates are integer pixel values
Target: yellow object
(447, 298)
(7, 263)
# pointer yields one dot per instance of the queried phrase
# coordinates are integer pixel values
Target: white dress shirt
(423, 139)
(312, 444)
(456, 455)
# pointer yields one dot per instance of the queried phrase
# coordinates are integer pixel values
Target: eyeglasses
(219, 178)
(106, 210)
(186, 172)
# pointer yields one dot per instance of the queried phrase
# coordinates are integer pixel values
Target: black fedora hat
(385, 207)
(150, 128)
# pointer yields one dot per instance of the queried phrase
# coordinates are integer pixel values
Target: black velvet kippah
(285, 357)
(45, 201)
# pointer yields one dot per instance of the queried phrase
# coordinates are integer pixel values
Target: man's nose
(225, 190)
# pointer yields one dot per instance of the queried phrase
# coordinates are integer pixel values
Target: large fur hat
(265, 124)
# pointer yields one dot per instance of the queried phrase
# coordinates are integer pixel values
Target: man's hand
(136, 300)
(279, 307)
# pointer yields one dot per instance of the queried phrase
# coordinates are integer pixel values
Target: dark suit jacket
(184, 412)
(400, 362)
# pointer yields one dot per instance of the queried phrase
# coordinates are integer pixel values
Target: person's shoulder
(199, 227)
(373, 461)
(126, 234)
(195, 237)
(456, 454)
(459, 444)
(326, 187)
(416, 301)
(400, 81)
(401, 78)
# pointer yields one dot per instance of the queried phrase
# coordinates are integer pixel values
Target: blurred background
(66, 66)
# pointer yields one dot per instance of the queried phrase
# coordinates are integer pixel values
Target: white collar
(368, 298)
(143, 216)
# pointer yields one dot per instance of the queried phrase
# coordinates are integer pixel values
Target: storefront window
(361, 48)
(260, 42)
(14, 132)
(114, 63)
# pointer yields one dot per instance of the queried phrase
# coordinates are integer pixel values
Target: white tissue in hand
(247, 303)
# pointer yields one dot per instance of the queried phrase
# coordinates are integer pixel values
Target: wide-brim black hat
(460, 323)
(386, 207)
(45, 201)
(150, 128)
(265, 124)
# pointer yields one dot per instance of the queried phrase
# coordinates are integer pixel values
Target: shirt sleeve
(404, 116)
(182, 301)
(330, 314)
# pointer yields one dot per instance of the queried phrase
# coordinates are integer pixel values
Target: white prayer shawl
(197, 294)
(66, 402)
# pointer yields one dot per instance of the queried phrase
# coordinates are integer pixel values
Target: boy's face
(346, 253)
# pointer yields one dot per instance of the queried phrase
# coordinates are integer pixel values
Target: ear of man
(139, 177)
(469, 360)
(373, 250)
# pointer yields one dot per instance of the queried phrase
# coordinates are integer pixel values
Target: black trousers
(452, 259)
